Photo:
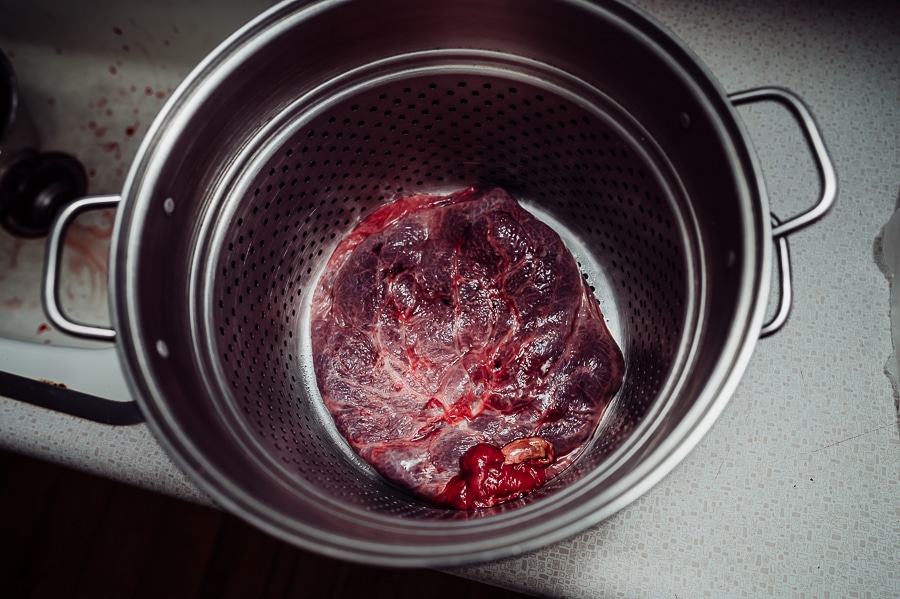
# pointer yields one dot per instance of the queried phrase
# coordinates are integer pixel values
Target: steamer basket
(312, 116)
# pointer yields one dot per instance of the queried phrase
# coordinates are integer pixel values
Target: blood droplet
(92, 172)
(117, 31)
(125, 47)
(43, 328)
(113, 70)
(133, 88)
(165, 42)
(51, 101)
(148, 91)
(92, 125)
(102, 102)
(160, 95)
(111, 146)
(100, 132)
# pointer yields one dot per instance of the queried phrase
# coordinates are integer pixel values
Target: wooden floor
(68, 534)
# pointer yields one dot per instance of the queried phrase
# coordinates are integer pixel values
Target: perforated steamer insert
(311, 117)
(431, 130)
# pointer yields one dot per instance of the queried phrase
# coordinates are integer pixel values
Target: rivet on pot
(732, 259)
(162, 349)
(169, 206)
(685, 120)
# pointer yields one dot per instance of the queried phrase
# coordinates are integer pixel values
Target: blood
(13, 261)
(130, 131)
(87, 250)
(160, 95)
(113, 70)
(117, 30)
(18, 244)
(43, 328)
(111, 146)
(82, 234)
(148, 91)
(100, 132)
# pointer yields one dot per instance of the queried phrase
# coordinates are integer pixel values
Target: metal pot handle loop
(827, 179)
(786, 292)
(55, 244)
(827, 175)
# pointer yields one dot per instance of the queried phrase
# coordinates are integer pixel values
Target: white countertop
(796, 489)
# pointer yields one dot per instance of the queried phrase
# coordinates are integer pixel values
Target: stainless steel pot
(600, 121)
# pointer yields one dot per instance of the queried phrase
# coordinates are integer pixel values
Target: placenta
(459, 349)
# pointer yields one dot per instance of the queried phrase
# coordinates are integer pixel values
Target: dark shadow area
(70, 534)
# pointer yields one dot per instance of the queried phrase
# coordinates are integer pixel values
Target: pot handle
(827, 179)
(786, 295)
(55, 244)
(827, 175)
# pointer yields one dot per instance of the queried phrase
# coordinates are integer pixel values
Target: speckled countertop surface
(796, 489)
